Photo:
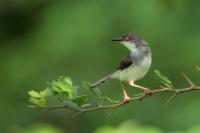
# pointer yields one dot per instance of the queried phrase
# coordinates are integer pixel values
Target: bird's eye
(126, 38)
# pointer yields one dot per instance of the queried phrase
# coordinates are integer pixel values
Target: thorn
(187, 78)
(170, 99)
(141, 99)
(112, 112)
(77, 114)
(162, 87)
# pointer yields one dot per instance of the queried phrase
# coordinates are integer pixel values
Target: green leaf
(62, 91)
(80, 100)
(44, 93)
(163, 79)
(34, 94)
(108, 99)
(38, 98)
(63, 86)
(38, 95)
(38, 102)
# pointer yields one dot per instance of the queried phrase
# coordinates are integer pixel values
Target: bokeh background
(43, 39)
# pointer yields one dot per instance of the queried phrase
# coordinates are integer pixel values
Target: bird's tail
(101, 81)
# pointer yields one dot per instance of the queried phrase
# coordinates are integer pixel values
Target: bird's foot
(147, 91)
(126, 99)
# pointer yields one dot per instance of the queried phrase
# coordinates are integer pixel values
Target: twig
(189, 81)
(140, 96)
(170, 99)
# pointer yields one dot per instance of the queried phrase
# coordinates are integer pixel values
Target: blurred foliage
(42, 39)
(133, 127)
(124, 127)
(41, 128)
(128, 127)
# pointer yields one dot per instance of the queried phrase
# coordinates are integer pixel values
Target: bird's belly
(135, 72)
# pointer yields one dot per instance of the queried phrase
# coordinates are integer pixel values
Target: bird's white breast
(135, 72)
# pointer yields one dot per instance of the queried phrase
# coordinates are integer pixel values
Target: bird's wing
(125, 63)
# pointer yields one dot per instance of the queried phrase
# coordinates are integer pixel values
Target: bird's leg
(146, 90)
(126, 97)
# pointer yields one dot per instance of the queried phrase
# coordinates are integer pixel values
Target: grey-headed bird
(134, 66)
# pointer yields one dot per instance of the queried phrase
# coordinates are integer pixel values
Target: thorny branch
(175, 92)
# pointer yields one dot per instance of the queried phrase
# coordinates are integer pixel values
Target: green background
(43, 39)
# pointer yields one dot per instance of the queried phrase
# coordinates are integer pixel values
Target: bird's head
(131, 40)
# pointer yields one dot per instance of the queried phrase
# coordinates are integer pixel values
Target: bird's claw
(148, 92)
(126, 99)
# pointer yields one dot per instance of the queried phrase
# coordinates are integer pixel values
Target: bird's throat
(130, 46)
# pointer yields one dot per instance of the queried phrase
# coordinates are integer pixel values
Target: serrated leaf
(80, 100)
(44, 93)
(38, 98)
(34, 94)
(62, 86)
(38, 102)
(61, 90)
(108, 99)
(65, 84)
(163, 79)
(38, 95)
(66, 80)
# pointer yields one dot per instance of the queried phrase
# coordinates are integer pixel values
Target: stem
(175, 92)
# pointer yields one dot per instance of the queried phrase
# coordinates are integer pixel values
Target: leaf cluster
(61, 90)
(64, 93)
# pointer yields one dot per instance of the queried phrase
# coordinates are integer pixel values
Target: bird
(134, 65)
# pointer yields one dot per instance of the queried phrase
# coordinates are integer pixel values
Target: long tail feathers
(101, 81)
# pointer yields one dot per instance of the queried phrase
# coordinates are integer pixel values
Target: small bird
(134, 66)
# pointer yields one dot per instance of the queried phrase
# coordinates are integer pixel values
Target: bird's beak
(117, 39)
